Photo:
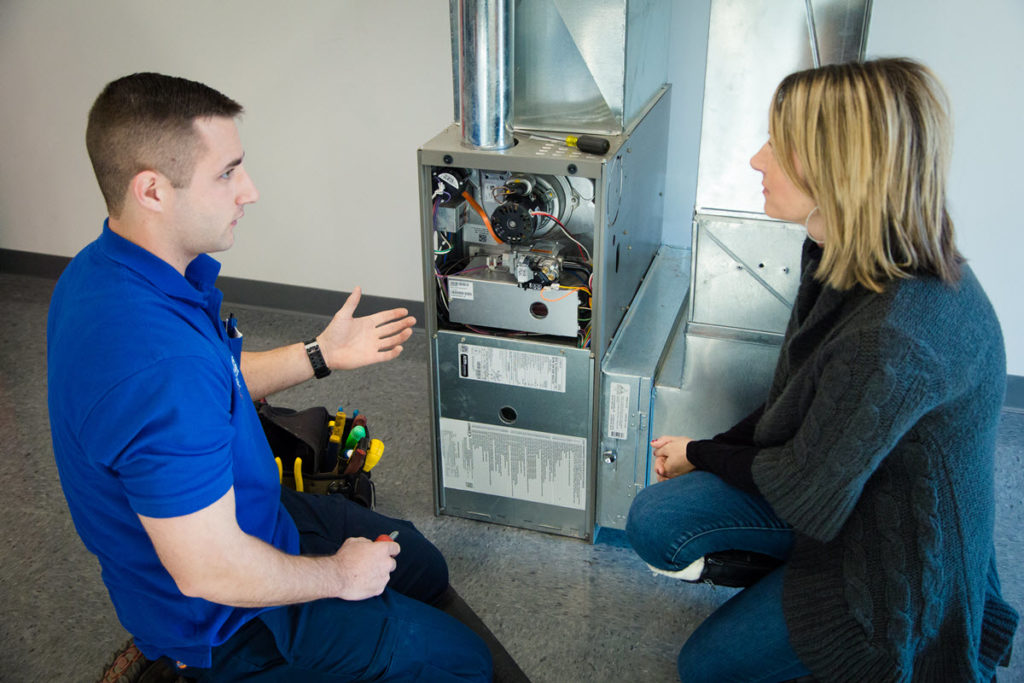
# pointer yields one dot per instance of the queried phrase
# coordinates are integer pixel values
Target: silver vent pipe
(485, 73)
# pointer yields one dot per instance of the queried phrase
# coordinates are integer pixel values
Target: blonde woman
(867, 474)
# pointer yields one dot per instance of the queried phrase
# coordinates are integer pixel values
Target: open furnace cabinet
(532, 257)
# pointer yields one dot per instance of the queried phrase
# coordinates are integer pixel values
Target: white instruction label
(515, 368)
(476, 234)
(514, 463)
(618, 410)
(460, 289)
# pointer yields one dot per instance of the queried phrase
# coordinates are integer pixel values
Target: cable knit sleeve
(867, 388)
(742, 433)
(730, 462)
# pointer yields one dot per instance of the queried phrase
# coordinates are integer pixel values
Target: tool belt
(317, 452)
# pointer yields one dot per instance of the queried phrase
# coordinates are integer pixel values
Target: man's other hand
(365, 567)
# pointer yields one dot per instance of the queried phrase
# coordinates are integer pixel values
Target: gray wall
(340, 93)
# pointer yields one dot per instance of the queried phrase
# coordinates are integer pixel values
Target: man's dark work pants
(395, 636)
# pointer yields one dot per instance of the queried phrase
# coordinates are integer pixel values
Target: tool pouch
(297, 434)
(302, 435)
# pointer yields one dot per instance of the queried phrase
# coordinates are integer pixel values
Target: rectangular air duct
(583, 66)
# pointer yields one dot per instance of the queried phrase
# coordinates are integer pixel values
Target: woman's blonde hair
(873, 142)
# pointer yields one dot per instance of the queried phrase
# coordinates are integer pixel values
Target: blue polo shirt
(150, 415)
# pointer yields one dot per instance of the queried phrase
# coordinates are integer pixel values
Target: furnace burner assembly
(505, 260)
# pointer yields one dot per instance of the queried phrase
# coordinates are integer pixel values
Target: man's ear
(150, 190)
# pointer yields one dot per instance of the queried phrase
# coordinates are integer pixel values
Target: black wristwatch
(316, 359)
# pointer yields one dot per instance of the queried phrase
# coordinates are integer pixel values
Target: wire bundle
(443, 269)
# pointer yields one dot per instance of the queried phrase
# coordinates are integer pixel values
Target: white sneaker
(690, 573)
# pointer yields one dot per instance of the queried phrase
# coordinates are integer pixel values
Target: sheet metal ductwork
(586, 66)
(485, 47)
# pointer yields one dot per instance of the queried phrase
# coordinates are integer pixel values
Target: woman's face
(783, 199)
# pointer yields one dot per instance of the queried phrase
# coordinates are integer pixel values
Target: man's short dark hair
(144, 122)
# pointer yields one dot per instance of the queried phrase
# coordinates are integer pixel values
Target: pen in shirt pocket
(231, 326)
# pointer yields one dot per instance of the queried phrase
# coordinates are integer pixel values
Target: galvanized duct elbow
(485, 73)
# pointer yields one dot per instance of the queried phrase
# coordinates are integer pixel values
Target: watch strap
(316, 359)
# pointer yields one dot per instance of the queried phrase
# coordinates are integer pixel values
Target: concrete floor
(566, 610)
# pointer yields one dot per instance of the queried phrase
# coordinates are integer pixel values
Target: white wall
(975, 49)
(338, 95)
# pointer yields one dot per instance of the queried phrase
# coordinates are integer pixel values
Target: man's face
(206, 212)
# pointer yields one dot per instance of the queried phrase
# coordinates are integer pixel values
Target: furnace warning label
(515, 368)
(514, 463)
(460, 289)
(618, 410)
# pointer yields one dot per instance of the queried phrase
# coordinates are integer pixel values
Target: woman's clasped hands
(670, 456)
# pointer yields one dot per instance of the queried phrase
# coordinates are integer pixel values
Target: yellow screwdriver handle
(373, 454)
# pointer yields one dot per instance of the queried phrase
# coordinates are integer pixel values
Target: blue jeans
(396, 636)
(675, 522)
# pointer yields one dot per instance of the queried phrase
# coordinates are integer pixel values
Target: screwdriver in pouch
(591, 144)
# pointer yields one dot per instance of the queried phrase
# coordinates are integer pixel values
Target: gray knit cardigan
(877, 444)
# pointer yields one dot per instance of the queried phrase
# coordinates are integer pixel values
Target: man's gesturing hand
(349, 342)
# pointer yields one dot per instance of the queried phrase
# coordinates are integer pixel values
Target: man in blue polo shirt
(167, 474)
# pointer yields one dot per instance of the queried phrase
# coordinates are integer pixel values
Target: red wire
(548, 215)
